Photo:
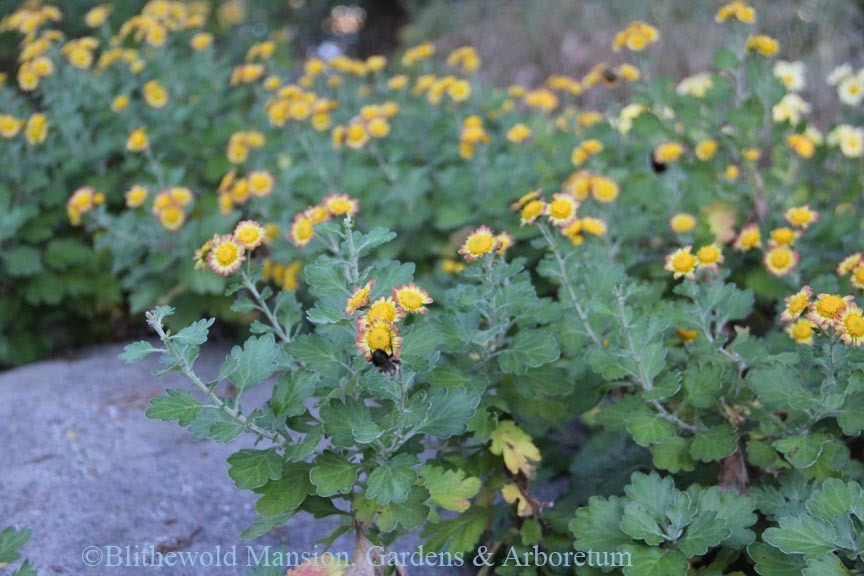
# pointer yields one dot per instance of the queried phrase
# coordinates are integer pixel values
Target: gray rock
(81, 466)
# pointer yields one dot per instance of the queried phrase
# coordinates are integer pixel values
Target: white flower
(791, 74)
(838, 74)
(696, 85)
(849, 138)
(851, 89)
(791, 107)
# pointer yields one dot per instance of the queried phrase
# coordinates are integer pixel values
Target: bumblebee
(656, 165)
(385, 362)
(610, 75)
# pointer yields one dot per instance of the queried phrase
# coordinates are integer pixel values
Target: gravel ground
(81, 466)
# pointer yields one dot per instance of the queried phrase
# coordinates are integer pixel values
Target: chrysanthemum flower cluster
(482, 242)
(831, 314)
(169, 206)
(302, 229)
(234, 191)
(377, 323)
(224, 254)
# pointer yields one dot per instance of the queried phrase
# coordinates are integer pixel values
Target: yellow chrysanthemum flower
(682, 263)
(225, 255)
(479, 243)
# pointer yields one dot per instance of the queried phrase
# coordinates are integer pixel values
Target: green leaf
(137, 351)
(286, 492)
(255, 362)
(254, 468)
(646, 561)
(673, 455)
(734, 510)
(11, 540)
(373, 239)
(802, 451)
(459, 534)
(851, 418)
(392, 481)
(802, 535)
(409, 514)
(326, 277)
(193, 335)
(177, 405)
(596, 526)
(449, 489)
(640, 524)
(211, 422)
(706, 531)
(529, 349)
(26, 569)
(715, 443)
(349, 422)
(448, 412)
(772, 562)
(22, 261)
(835, 499)
(652, 491)
(306, 447)
(648, 428)
(333, 474)
(825, 565)
(291, 391)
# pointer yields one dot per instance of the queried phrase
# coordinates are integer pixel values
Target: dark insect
(610, 75)
(385, 362)
(658, 167)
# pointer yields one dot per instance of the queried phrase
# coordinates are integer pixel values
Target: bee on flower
(682, 263)
(665, 154)
(380, 344)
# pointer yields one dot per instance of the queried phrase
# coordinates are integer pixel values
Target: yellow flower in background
(561, 210)
(225, 255)
(120, 103)
(697, 85)
(201, 41)
(97, 16)
(802, 145)
(604, 189)
(682, 263)
(668, 152)
(36, 129)
(850, 263)
(250, 234)
(705, 149)
(783, 236)
(802, 331)
(824, 311)
(418, 53)
(585, 150)
(136, 196)
(341, 205)
(797, 304)
(155, 95)
(780, 260)
(801, 216)
(682, 222)
(137, 140)
(465, 57)
(261, 183)
(519, 133)
(748, 238)
(636, 37)
(10, 126)
(302, 230)
(479, 243)
(737, 10)
(764, 45)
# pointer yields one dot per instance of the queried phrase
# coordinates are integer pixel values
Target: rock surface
(81, 466)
